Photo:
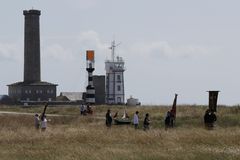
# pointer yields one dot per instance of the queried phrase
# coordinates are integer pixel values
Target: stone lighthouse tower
(32, 66)
(32, 89)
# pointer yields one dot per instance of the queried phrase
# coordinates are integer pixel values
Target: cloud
(10, 52)
(58, 52)
(138, 52)
(163, 49)
(90, 39)
(69, 49)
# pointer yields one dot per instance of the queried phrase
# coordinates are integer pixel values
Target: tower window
(118, 78)
(119, 88)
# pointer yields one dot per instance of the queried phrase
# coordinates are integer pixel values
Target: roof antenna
(113, 46)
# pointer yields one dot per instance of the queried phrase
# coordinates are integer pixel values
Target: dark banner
(213, 96)
(174, 106)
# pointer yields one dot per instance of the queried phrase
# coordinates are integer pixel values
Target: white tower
(114, 78)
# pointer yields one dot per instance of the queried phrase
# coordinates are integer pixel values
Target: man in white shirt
(135, 120)
(44, 123)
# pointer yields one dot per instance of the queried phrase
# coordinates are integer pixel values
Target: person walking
(36, 121)
(89, 109)
(136, 120)
(209, 119)
(44, 123)
(108, 118)
(167, 120)
(82, 109)
(146, 122)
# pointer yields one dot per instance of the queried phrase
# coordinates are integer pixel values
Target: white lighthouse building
(114, 78)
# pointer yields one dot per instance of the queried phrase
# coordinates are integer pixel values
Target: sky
(176, 46)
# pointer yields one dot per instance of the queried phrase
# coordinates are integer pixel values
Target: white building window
(118, 77)
(119, 88)
(40, 91)
(39, 99)
(26, 91)
(29, 91)
(119, 100)
(37, 91)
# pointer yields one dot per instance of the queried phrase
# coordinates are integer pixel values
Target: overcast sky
(169, 46)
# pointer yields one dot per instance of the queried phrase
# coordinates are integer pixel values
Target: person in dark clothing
(115, 115)
(172, 119)
(213, 117)
(108, 118)
(89, 109)
(146, 122)
(209, 118)
(167, 120)
(206, 117)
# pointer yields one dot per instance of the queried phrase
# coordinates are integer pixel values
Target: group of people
(84, 110)
(40, 122)
(209, 118)
(146, 121)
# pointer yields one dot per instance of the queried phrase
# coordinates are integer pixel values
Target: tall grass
(86, 137)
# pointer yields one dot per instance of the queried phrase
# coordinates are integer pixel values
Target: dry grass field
(71, 136)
